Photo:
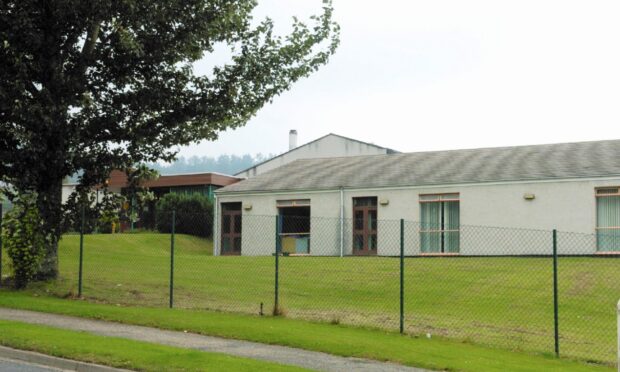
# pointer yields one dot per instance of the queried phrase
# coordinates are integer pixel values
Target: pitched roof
(518, 163)
(387, 150)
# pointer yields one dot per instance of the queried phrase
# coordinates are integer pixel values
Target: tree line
(226, 164)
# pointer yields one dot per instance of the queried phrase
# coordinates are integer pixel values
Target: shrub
(102, 215)
(194, 214)
(23, 237)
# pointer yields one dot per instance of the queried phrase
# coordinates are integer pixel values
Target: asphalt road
(8, 365)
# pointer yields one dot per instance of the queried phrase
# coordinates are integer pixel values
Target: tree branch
(91, 40)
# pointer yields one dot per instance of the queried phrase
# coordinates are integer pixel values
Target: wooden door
(365, 226)
(231, 229)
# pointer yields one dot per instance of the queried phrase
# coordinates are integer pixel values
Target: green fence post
(276, 308)
(174, 212)
(131, 217)
(0, 244)
(81, 269)
(556, 329)
(402, 276)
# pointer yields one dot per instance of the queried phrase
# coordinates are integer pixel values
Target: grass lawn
(435, 353)
(122, 353)
(505, 302)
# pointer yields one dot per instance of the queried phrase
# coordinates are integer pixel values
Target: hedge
(194, 214)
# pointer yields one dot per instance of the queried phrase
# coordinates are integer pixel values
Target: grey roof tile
(518, 163)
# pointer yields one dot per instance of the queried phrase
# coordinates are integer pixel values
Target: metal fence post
(174, 217)
(81, 269)
(276, 308)
(131, 216)
(0, 244)
(402, 276)
(556, 330)
(618, 332)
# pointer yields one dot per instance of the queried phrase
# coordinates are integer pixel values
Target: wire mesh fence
(494, 286)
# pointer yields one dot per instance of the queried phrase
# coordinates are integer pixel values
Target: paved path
(9, 365)
(273, 353)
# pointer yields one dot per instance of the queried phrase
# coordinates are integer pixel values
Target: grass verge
(122, 353)
(504, 302)
(435, 353)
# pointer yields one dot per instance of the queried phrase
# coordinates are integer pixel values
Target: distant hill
(227, 164)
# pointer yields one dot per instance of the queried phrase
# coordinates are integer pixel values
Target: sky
(446, 74)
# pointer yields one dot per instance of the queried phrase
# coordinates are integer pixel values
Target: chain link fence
(533, 290)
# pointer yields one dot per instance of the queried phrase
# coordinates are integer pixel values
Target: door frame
(366, 232)
(231, 235)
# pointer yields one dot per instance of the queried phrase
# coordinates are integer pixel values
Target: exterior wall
(67, 190)
(328, 146)
(493, 217)
(258, 229)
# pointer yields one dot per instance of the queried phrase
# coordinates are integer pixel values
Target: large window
(440, 225)
(365, 226)
(294, 229)
(608, 219)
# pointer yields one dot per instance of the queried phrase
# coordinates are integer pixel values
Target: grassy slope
(503, 302)
(122, 353)
(434, 353)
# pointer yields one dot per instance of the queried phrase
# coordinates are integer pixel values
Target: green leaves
(194, 214)
(24, 238)
(94, 86)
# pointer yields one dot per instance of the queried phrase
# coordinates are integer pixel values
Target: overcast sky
(436, 74)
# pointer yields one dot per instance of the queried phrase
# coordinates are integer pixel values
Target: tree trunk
(50, 208)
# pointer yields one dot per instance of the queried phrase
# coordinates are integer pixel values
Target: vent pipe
(292, 139)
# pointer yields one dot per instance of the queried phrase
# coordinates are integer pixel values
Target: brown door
(365, 226)
(231, 229)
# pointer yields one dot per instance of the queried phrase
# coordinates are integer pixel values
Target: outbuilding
(489, 201)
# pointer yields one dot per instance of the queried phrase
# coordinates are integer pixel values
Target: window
(440, 225)
(608, 219)
(294, 229)
(365, 226)
(231, 229)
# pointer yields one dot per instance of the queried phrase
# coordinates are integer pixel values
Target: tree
(93, 86)
(138, 194)
(228, 164)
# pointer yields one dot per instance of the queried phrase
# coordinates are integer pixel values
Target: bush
(101, 215)
(194, 214)
(23, 237)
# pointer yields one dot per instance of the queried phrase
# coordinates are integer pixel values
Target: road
(9, 365)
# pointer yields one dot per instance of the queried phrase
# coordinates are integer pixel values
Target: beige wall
(68, 189)
(492, 217)
(329, 146)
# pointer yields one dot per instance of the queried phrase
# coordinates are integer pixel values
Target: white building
(450, 200)
(330, 145)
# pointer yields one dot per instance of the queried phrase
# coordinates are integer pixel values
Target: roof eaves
(417, 185)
